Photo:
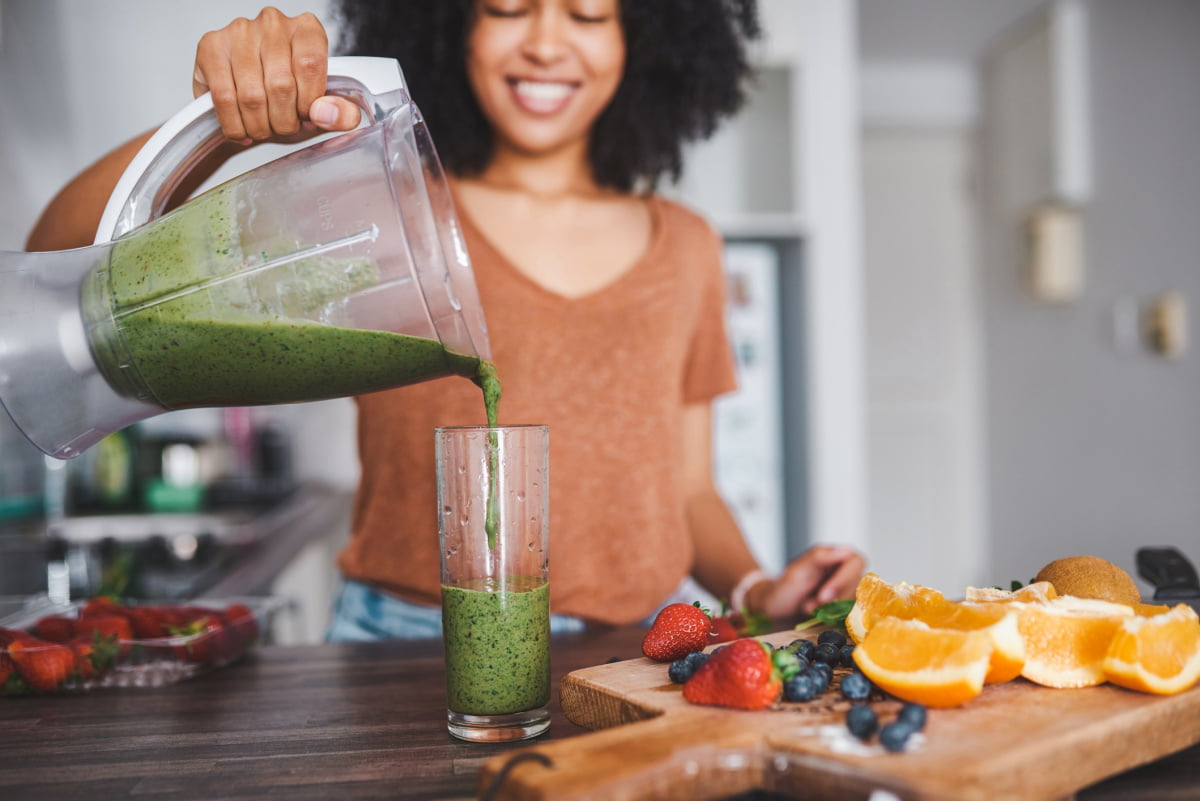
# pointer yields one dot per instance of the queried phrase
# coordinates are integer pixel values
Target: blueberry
(800, 687)
(832, 637)
(846, 656)
(827, 653)
(822, 674)
(862, 721)
(913, 715)
(682, 668)
(679, 671)
(894, 736)
(856, 687)
(803, 648)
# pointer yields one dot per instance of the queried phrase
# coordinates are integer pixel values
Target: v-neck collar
(493, 253)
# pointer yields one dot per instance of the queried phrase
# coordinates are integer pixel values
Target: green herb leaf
(832, 614)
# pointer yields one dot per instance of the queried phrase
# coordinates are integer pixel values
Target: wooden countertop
(347, 721)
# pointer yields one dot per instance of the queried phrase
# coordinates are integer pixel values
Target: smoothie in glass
(495, 585)
(497, 654)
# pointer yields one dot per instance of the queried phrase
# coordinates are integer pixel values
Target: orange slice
(1031, 593)
(1158, 654)
(875, 599)
(1067, 639)
(914, 662)
(999, 621)
(1150, 610)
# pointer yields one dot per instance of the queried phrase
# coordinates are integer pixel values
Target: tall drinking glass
(493, 493)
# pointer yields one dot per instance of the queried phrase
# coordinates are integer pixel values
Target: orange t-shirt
(609, 373)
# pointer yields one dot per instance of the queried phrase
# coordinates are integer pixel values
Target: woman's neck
(545, 176)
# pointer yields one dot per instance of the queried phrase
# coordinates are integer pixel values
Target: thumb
(330, 113)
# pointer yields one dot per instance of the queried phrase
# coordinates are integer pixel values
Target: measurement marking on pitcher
(367, 235)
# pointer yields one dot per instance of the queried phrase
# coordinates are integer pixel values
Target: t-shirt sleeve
(710, 368)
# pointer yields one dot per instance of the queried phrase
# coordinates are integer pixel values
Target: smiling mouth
(542, 96)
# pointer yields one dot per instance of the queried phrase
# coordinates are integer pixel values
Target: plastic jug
(336, 270)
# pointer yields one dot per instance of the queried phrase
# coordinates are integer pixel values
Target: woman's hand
(821, 574)
(267, 78)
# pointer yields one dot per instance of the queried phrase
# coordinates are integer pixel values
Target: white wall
(1094, 441)
(922, 359)
(1007, 431)
(923, 324)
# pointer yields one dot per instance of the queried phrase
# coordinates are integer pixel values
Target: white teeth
(543, 92)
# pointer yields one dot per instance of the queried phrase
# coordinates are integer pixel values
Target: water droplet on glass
(520, 496)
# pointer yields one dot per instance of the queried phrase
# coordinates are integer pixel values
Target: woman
(556, 118)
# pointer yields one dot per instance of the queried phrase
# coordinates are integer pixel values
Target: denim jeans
(362, 613)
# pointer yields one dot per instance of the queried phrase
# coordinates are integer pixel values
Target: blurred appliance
(21, 475)
(749, 430)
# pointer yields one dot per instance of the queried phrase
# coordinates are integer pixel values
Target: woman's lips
(542, 97)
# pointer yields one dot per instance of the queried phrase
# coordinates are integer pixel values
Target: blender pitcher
(338, 269)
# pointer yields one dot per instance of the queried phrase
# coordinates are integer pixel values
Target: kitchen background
(962, 244)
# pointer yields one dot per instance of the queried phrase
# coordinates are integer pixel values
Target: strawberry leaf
(786, 662)
(15, 686)
(104, 651)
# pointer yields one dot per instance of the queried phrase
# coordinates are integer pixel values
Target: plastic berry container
(102, 642)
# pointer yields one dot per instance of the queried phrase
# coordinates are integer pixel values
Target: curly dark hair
(686, 69)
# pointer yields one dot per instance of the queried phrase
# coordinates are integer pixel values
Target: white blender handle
(376, 85)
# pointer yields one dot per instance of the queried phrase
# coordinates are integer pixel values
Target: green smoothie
(245, 336)
(497, 645)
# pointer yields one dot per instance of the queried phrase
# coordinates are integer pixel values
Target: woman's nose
(544, 41)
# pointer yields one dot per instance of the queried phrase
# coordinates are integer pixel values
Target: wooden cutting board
(1016, 742)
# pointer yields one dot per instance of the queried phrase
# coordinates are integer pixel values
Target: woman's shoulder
(682, 220)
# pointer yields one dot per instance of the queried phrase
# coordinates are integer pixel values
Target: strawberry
(114, 625)
(724, 629)
(207, 640)
(678, 630)
(732, 625)
(148, 622)
(100, 605)
(6, 665)
(43, 665)
(741, 675)
(55, 628)
(112, 628)
(242, 620)
(93, 657)
(83, 650)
